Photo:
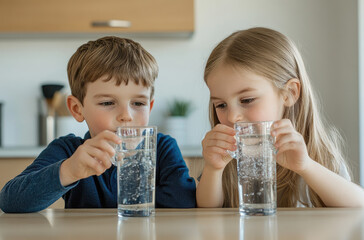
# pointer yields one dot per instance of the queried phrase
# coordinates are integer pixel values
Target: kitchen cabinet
(195, 166)
(94, 16)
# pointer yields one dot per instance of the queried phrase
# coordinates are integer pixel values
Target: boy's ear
(151, 105)
(292, 93)
(75, 108)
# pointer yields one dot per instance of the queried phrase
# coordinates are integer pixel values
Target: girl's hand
(91, 158)
(215, 144)
(290, 145)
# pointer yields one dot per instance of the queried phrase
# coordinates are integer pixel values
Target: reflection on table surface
(288, 223)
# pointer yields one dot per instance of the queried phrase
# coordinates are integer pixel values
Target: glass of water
(256, 163)
(135, 159)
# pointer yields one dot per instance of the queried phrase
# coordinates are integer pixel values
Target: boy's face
(107, 106)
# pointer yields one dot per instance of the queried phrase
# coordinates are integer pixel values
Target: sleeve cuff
(59, 186)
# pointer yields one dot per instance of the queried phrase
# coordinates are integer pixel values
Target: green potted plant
(176, 121)
(180, 108)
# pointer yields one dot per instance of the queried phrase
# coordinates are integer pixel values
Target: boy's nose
(124, 115)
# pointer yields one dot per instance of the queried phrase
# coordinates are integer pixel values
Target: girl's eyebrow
(237, 93)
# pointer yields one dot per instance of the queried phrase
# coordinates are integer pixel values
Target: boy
(112, 84)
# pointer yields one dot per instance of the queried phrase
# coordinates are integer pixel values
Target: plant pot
(176, 127)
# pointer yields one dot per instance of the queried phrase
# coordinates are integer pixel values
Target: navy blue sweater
(38, 186)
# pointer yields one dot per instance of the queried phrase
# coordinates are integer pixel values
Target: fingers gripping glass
(132, 140)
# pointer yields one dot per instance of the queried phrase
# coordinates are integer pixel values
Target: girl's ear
(292, 93)
(151, 105)
(75, 108)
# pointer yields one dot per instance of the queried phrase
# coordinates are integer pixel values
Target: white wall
(324, 30)
(361, 87)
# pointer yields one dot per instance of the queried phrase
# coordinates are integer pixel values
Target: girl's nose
(234, 116)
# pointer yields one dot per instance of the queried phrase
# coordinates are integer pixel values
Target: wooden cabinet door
(71, 16)
(195, 166)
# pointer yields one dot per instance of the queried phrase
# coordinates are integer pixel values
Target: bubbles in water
(136, 178)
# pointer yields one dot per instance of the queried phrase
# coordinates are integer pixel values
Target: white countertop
(33, 152)
(194, 223)
(20, 152)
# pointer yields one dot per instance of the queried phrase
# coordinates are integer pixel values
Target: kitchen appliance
(47, 113)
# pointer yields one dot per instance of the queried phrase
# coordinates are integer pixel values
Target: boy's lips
(123, 125)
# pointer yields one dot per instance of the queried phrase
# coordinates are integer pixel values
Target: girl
(258, 75)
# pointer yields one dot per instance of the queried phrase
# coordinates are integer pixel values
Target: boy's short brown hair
(121, 58)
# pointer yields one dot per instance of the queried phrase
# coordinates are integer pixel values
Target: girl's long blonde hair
(269, 53)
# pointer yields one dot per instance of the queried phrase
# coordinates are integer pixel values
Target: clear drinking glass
(135, 159)
(256, 166)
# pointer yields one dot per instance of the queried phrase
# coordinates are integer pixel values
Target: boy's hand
(215, 144)
(291, 146)
(91, 158)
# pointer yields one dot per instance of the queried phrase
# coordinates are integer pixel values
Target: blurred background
(325, 31)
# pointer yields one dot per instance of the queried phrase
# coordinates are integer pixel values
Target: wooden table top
(189, 224)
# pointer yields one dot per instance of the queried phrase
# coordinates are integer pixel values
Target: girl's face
(241, 95)
(107, 106)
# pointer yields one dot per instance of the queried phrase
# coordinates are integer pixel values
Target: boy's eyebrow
(237, 93)
(110, 95)
(102, 95)
(141, 96)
